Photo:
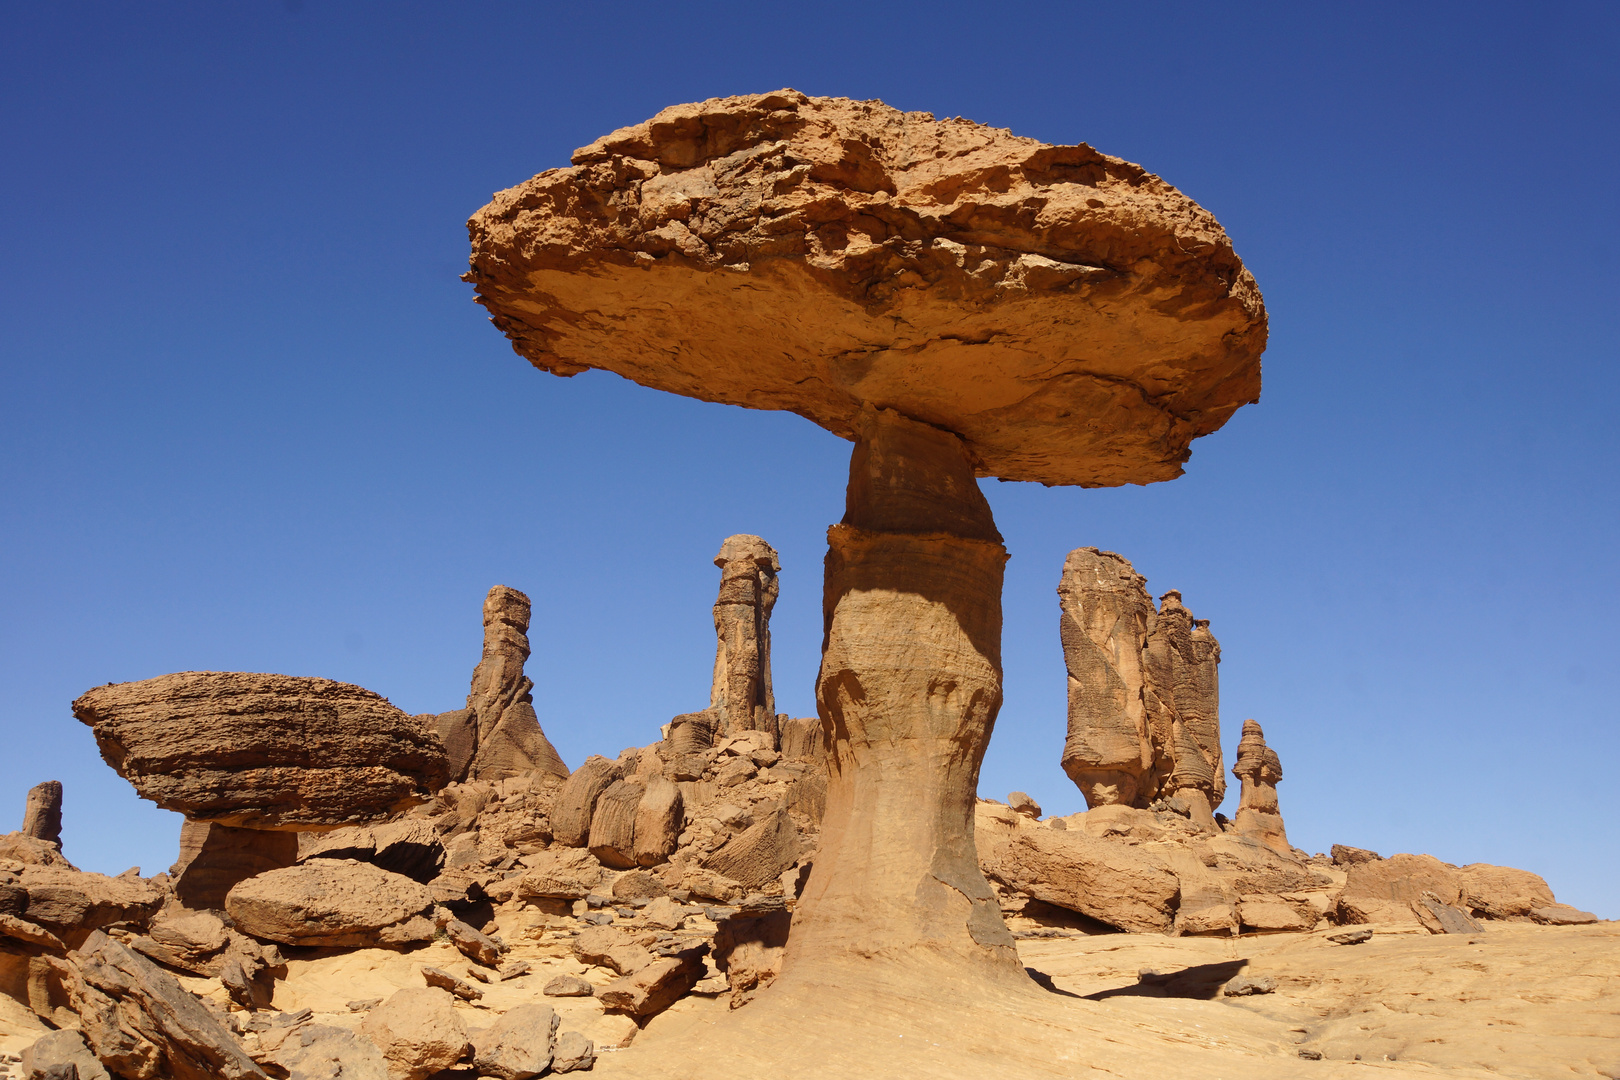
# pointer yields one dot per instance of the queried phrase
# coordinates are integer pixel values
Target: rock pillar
(1259, 769)
(909, 688)
(42, 816)
(741, 698)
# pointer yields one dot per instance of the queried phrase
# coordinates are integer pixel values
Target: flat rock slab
(1074, 318)
(333, 902)
(264, 751)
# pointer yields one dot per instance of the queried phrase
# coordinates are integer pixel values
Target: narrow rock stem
(909, 688)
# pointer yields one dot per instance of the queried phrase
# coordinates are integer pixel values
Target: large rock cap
(264, 751)
(1073, 317)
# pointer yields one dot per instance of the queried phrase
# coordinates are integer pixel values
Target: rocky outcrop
(1144, 701)
(498, 734)
(332, 902)
(741, 698)
(943, 269)
(1260, 770)
(42, 815)
(141, 1023)
(264, 751)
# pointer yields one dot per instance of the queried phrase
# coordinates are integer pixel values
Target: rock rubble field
(363, 893)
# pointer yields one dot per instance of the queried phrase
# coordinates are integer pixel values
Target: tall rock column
(909, 688)
(1260, 770)
(741, 698)
(498, 734)
(42, 815)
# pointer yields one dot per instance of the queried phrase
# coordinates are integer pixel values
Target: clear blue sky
(251, 420)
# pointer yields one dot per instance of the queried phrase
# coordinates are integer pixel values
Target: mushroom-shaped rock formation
(264, 751)
(960, 302)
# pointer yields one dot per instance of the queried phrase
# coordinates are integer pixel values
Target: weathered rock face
(42, 817)
(1144, 699)
(1259, 768)
(332, 902)
(499, 732)
(1075, 319)
(741, 698)
(264, 751)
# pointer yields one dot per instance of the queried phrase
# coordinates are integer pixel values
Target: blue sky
(250, 419)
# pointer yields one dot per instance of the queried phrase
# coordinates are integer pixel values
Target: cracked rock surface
(1074, 318)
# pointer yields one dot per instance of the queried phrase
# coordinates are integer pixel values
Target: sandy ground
(1515, 1001)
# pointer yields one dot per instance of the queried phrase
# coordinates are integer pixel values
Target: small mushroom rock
(1260, 770)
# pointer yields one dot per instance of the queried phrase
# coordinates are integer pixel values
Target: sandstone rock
(1439, 917)
(659, 817)
(1385, 891)
(609, 947)
(572, 809)
(519, 1045)
(72, 904)
(613, 824)
(665, 914)
(823, 225)
(650, 990)
(214, 858)
(31, 851)
(1110, 882)
(319, 1052)
(741, 698)
(759, 854)
(748, 951)
(500, 706)
(42, 815)
(1021, 803)
(1501, 892)
(1144, 708)
(637, 885)
(418, 1032)
(573, 1053)
(264, 751)
(1270, 916)
(58, 1049)
(686, 750)
(1347, 856)
(21, 930)
(332, 902)
(1248, 987)
(1259, 768)
(442, 979)
(1351, 937)
(567, 986)
(802, 739)
(1561, 915)
(140, 1022)
(560, 873)
(473, 944)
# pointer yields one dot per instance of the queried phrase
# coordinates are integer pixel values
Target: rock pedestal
(42, 817)
(909, 688)
(1259, 768)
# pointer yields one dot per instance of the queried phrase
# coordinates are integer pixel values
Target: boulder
(759, 854)
(1561, 915)
(1387, 890)
(560, 873)
(59, 1049)
(71, 903)
(1021, 803)
(1344, 855)
(1272, 915)
(140, 1022)
(474, 944)
(568, 986)
(442, 979)
(638, 885)
(31, 851)
(418, 1032)
(748, 951)
(802, 739)
(1111, 882)
(214, 858)
(612, 948)
(573, 1053)
(320, 1052)
(332, 902)
(1501, 892)
(264, 751)
(650, 990)
(574, 805)
(519, 1045)
(659, 817)
(613, 824)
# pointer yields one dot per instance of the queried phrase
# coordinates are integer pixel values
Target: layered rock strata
(1144, 695)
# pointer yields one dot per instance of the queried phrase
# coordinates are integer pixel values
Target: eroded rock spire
(741, 698)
